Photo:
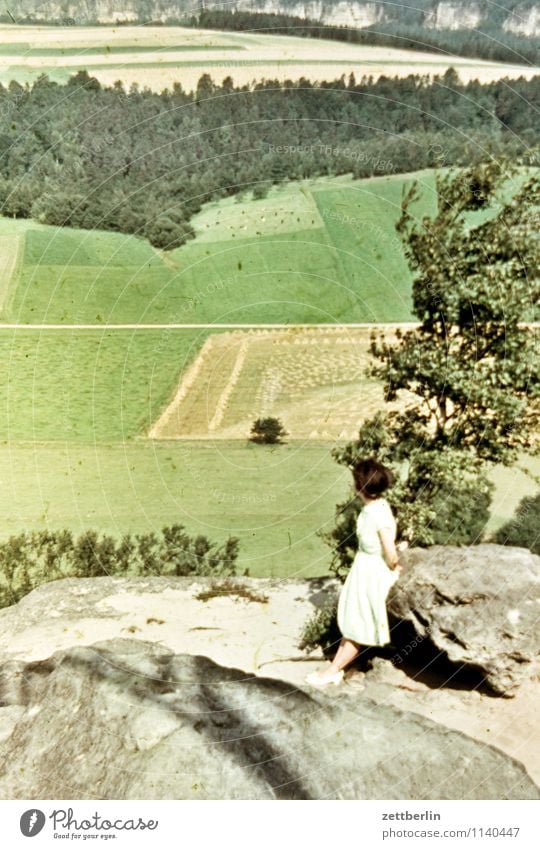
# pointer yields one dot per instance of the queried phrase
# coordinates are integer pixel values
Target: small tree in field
(471, 364)
(267, 431)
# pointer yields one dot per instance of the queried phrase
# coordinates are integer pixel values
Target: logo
(32, 822)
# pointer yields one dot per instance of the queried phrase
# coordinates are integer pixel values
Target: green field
(88, 386)
(276, 500)
(318, 251)
(73, 453)
(158, 57)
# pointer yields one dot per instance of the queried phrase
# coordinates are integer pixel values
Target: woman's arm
(389, 548)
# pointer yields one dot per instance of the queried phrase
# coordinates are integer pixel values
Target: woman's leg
(345, 654)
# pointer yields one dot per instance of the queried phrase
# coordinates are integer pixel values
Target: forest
(89, 156)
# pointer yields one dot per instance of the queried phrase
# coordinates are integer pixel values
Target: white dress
(362, 615)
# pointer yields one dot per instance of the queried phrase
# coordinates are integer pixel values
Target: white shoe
(323, 679)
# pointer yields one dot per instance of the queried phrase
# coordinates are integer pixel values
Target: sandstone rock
(478, 605)
(126, 719)
(230, 629)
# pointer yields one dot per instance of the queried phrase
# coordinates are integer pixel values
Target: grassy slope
(313, 252)
(88, 386)
(275, 501)
(81, 390)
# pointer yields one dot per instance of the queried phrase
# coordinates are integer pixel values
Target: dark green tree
(523, 529)
(467, 375)
(168, 230)
(267, 431)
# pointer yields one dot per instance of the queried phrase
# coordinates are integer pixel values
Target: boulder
(477, 605)
(127, 719)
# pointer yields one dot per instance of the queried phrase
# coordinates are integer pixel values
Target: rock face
(448, 15)
(478, 605)
(126, 719)
(440, 14)
(524, 20)
(256, 628)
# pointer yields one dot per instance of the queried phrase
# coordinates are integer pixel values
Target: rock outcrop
(439, 14)
(126, 719)
(252, 623)
(478, 605)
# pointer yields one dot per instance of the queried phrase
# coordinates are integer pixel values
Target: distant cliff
(520, 17)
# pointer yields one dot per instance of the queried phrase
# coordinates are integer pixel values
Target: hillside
(244, 47)
(312, 251)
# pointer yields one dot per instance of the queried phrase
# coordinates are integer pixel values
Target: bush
(322, 628)
(460, 516)
(268, 431)
(168, 231)
(522, 529)
(34, 558)
(261, 190)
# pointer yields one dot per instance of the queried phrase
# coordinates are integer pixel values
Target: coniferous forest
(89, 156)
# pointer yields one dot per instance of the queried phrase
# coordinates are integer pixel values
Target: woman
(362, 617)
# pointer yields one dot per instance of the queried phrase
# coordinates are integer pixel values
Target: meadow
(317, 251)
(175, 54)
(275, 499)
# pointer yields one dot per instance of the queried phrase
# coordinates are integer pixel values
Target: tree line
(32, 558)
(85, 155)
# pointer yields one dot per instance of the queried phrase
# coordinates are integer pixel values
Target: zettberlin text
(411, 815)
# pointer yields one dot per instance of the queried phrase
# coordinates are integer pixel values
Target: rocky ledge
(454, 611)
(478, 606)
(126, 719)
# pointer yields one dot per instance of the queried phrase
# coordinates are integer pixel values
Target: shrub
(268, 431)
(321, 629)
(232, 589)
(261, 190)
(33, 558)
(440, 497)
(522, 529)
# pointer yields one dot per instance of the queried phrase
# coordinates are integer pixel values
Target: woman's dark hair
(371, 478)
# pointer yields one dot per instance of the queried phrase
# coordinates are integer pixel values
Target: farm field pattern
(312, 379)
(157, 57)
(319, 251)
(80, 404)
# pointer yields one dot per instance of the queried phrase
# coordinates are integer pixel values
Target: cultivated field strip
(11, 250)
(312, 378)
(160, 56)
